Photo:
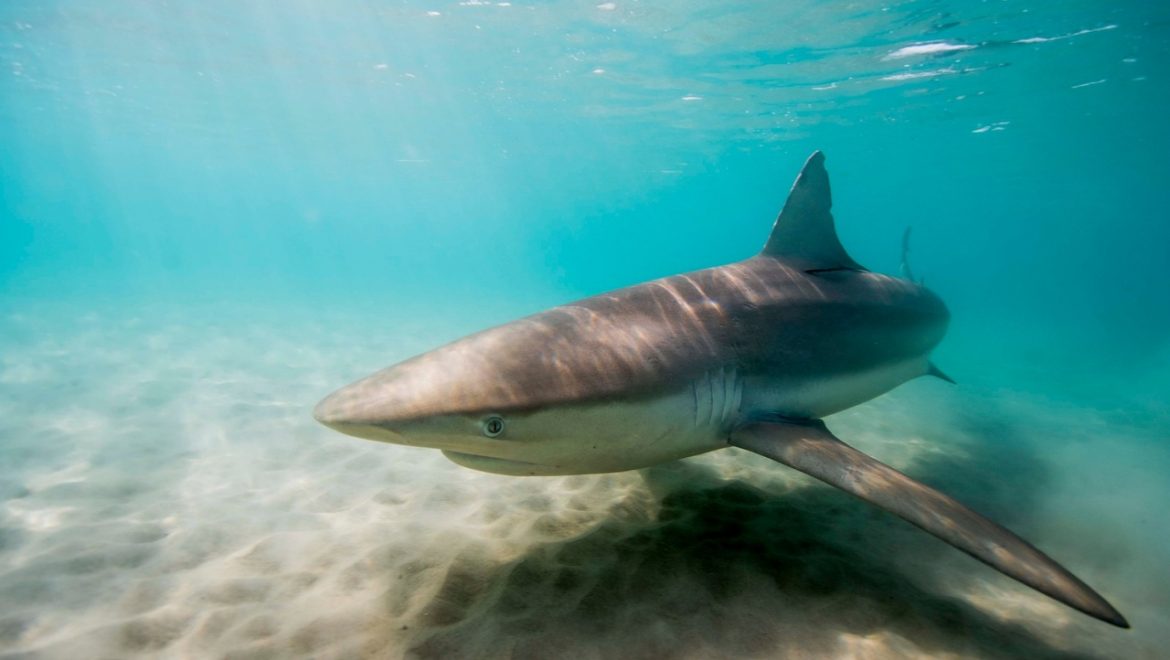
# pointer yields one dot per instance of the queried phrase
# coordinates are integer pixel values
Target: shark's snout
(355, 410)
(340, 412)
(329, 412)
(340, 407)
(401, 404)
(332, 411)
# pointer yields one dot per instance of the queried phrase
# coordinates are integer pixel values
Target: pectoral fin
(809, 447)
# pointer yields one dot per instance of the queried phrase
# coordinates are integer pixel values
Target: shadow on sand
(730, 570)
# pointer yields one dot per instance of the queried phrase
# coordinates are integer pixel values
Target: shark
(752, 354)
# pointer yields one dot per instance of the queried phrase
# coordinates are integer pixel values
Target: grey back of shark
(751, 354)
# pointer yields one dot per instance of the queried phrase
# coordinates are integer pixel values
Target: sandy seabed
(164, 492)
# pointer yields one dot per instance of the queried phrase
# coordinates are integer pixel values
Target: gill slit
(711, 389)
(716, 396)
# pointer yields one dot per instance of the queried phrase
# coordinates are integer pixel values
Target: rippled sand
(165, 493)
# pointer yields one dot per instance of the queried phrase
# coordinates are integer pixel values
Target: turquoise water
(214, 213)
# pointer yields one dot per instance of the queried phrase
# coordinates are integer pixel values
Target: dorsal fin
(804, 234)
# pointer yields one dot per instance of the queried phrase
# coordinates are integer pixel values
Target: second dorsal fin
(804, 234)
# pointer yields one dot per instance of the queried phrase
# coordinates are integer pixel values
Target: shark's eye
(493, 426)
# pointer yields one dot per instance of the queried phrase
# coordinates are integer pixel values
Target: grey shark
(752, 355)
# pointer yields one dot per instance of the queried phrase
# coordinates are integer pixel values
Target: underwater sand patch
(180, 502)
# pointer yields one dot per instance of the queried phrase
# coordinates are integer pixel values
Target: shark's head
(547, 394)
(461, 398)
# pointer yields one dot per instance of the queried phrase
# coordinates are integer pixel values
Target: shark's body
(751, 354)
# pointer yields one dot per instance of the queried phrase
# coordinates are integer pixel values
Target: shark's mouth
(497, 465)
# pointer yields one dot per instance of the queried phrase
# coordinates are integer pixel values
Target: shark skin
(751, 354)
